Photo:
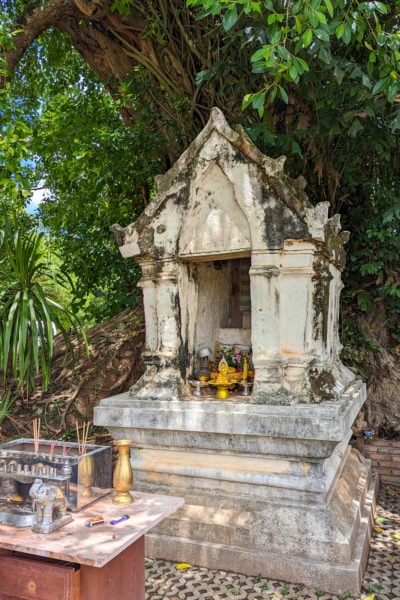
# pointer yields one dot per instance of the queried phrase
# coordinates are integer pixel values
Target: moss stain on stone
(322, 385)
(321, 278)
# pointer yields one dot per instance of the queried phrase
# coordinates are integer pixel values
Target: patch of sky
(38, 195)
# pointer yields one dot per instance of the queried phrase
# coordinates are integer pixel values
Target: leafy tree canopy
(96, 96)
(315, 80)
(95, 169)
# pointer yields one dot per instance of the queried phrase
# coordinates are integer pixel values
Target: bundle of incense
(36, 434)
(82, 443)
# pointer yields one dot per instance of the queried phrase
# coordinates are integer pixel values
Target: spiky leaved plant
(28, 311)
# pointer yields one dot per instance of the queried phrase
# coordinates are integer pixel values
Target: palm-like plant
(28, 312)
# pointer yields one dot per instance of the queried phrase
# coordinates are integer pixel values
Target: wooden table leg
(120, 579)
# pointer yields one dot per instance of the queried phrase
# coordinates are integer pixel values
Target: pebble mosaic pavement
(381, 580)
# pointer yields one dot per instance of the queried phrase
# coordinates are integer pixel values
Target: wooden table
(77, 562)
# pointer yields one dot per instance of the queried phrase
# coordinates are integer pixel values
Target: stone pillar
(334, 345)
(167, 296)
(150, 304)
(265, 337)
(162, 379)
(296, 312)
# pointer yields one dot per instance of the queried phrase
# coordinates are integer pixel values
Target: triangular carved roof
(222, 196)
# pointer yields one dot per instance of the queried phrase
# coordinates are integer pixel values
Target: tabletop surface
(93, 546)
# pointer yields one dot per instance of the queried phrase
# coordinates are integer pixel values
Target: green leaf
(293, 73)
(297, 24)
(378, 87)
(230, 18)
(304, 65)
(355, 128)
(263, 52)
(307, 37)
(284, 53)
(322, 35)
(258, 100)
(297, 7)
(340, 31)
(381, 7)
(338, 73)
(283, 94)
(321, 17)
(247, 100)
(324, 55)
(329, 7)
(255, 7)
(347, 34)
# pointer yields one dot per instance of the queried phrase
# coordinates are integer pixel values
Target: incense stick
(85, 437)
(78, 437)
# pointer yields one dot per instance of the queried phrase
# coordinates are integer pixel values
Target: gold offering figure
(222, 381)
(226, 378)
(245, 369)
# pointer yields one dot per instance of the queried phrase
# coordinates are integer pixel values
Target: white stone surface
(270, 484)
(223, 200)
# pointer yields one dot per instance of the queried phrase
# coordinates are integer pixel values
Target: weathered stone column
(265, 339)
(167, 295)
(162, 379)
(296, 315)
(150, 304)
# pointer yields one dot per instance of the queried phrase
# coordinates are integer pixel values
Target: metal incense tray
(17, 516)
(82, 477)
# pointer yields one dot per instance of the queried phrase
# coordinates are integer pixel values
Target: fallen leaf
(378, 529)
(380, 519)
(395, 536)
(392, 559)
(183, 566)
(370, 597)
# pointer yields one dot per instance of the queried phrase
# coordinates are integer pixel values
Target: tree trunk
(381, 411)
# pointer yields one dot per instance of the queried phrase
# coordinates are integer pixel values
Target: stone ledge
(326, 421)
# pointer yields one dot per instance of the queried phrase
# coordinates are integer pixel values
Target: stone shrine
(233, 255)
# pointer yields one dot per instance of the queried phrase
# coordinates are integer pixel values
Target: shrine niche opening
(224, 303)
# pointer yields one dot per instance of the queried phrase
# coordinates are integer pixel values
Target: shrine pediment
(215, 224)
(222, 197)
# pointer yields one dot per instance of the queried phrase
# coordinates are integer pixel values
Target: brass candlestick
(123, 475)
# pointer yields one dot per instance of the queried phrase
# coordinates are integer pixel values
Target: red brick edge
(384, 456)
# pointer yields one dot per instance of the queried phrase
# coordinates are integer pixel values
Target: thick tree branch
(157, 35)
(36, 19)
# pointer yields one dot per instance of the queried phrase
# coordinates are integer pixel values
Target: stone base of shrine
(238, 536)
(274, 491)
